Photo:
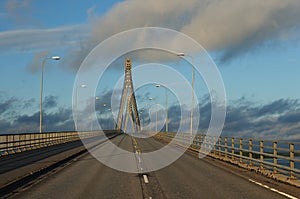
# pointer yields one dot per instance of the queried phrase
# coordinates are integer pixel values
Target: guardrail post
(219, 145)
(197, 141)
(226, 147)
(39, 139)
(13, 145)
(206, 141)
(201, 140)
(19, 143)
(261, 155)
(30, 141)
(232, 148)
(215, 145)
(241, 150)
(275, 156)
(6, 147)
(292, 162)
(250, 152)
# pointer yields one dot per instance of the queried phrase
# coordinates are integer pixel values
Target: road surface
(188, 177)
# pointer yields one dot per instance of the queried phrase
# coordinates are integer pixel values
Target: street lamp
(41, 89)
(167, 122)
(193, 89)
(76, 102)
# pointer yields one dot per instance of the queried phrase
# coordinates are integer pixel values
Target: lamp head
(55, 57)
(180, 54)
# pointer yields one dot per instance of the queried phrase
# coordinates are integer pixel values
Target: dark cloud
(28, 119)
(278, 106)
(273, 120)
(28, 103)
(279, 119)
(5, 125)
(59, 120)
(15, 119)
(50, 101)
(291, 117)
(7, 104)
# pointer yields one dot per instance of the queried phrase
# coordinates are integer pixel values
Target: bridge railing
(266, 156)
(15, 143)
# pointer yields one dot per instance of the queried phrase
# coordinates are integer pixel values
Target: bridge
(65, 165)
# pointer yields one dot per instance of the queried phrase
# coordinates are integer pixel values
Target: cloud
(41, 42)
(19, 11)
(34, 66)
(229, 26)
(59, 120)
(278, 106)
(278, 120)
(91, 12)
(28, 103)
(34, 40)
(291, 117)
(247, 119)
(271, 121)
(6, 104)
(16, 115)
(50, 101)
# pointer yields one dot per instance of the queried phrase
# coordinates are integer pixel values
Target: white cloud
(37, 39)
(19, 11)
(231, 26)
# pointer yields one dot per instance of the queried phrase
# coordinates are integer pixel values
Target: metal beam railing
(15, 143)
(275, 157)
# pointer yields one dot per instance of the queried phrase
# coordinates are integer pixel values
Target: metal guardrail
(15, 143)
(276, 157)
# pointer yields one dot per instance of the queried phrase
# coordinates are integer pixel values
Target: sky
(255, 45)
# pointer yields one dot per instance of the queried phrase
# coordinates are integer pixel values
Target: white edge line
(272, 189)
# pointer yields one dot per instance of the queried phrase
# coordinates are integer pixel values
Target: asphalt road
(188, 177)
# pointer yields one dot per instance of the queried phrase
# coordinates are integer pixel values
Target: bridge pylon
(128, 98)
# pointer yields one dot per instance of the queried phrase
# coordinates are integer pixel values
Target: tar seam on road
(272, 189)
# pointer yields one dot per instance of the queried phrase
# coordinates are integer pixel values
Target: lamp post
(193, 89)
(76, 102)
(41, 88)
(167, 120)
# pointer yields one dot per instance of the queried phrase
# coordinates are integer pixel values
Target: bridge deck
(188, 177)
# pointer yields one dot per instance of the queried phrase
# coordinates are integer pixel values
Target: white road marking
(145, 179)
(272, 189)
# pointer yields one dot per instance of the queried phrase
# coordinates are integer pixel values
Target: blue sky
(255, 48)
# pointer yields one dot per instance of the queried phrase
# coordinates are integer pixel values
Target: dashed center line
(146, 180)
(272, 189)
